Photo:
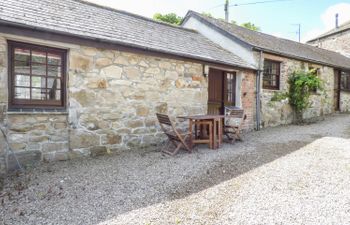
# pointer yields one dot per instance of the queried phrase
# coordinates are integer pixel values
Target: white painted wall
(235, 47)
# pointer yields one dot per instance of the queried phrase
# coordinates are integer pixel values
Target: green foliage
(301, 84)
(251, 26)
(279, 96)
(170, 18)
(207, 14)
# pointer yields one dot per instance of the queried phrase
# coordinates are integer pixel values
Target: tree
(171, 18)
(247, 25)
(250, 26)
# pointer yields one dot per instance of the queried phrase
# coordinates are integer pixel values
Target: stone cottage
(77, 79)
(337, 39)
(277, 58)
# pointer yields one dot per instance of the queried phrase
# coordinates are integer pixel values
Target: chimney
(337, 21)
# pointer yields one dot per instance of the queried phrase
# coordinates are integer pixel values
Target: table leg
(215, 134)
(220, 130)
(190, 131)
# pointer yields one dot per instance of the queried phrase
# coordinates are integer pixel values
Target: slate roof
(341, 28)
(272, 44)
(87, 20)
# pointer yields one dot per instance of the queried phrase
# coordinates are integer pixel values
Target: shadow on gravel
(234, 166)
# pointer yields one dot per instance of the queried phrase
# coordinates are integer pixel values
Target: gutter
(258, 91)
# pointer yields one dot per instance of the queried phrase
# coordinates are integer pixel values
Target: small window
(36, 76)
(271, 77)
(345, 81)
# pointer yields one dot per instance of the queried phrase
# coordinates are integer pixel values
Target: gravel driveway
(283, 175)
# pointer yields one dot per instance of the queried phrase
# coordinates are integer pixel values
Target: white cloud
(328, 20)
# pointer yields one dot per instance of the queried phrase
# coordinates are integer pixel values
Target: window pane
(22, 93)
(22, 67)
(22, 80)
(38, 94)
(38, 57)
(22, 54)
(51, 83)
(54, 71)
(58, 95)
(39, 82)
(54, 59)
(53, 94)
(38, 69)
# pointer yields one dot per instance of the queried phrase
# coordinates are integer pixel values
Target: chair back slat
(235, 113)
(164, 119)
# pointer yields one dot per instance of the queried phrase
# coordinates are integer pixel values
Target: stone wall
(276, 113)
(344, 101)
(3, 101)
(248, 99)
(338, 42)
(113, 97)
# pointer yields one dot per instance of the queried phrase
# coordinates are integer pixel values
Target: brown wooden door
(222, 90)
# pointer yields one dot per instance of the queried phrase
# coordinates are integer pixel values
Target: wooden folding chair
(174, 137)
(233, 122)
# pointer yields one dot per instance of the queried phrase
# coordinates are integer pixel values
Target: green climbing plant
(301, 85)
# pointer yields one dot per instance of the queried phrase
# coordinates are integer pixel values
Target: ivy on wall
(301, 85)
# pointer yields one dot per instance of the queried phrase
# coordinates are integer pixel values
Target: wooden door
(222, 91)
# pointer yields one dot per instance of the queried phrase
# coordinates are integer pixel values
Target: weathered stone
(165, 65)
(121, 60)
(20, 128)
(39, 139)
(60, 125)
(135, 123)
(81, 139)
(17, 146)
(85, 98)
(112, 139)
(98, 151)
(80, 63)
(89, 51)
(112, 72)
(103, 62)
(172, 75)
(142, 111)
(153, 70)
(97, 83)
(132, 73)
(52, 147)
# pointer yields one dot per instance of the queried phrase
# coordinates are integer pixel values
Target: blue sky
(277, 18)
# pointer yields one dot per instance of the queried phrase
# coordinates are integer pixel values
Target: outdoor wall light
(205, 70)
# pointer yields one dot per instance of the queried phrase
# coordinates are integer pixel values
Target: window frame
(278, 76)
(16, 104)
(344, 73)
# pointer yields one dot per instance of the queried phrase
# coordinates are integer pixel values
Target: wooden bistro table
(216, 131)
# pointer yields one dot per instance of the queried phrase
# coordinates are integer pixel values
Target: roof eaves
(300, 58)
(140, 47)
(217, 28)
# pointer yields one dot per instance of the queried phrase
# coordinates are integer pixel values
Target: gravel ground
(283, 175)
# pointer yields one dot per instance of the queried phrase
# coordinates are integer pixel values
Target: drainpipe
(258, 91)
